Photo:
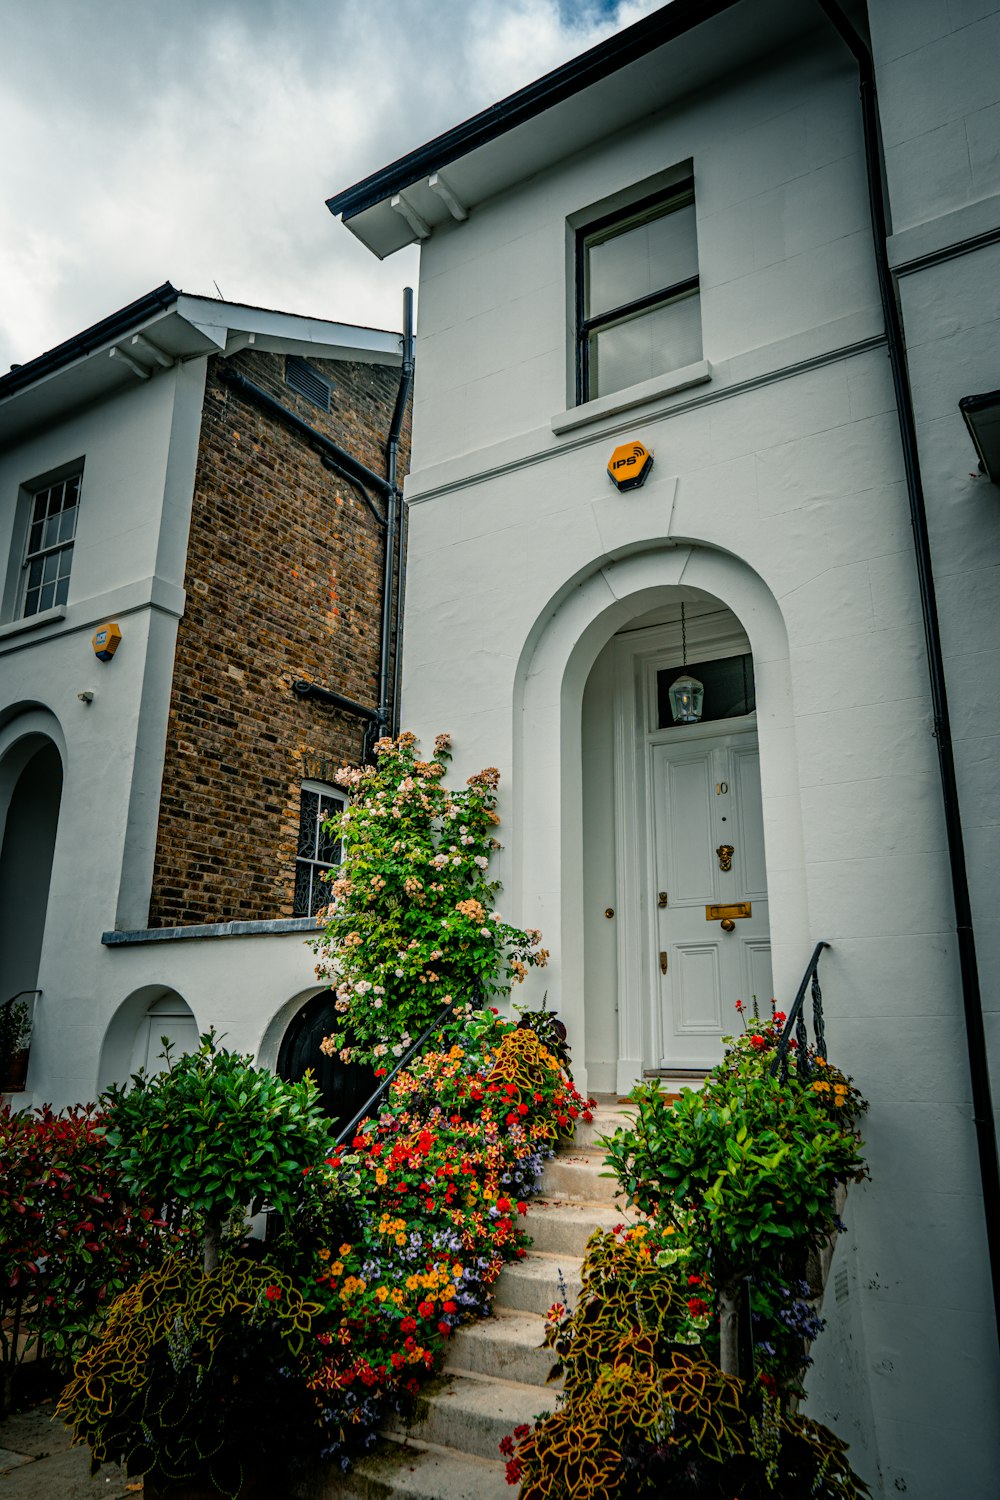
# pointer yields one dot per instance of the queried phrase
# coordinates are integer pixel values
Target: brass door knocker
(725, 853)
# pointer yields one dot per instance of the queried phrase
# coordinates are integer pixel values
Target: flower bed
(439, 1187)
(738, 1182)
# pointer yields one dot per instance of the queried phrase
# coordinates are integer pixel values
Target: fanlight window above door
(729, 689)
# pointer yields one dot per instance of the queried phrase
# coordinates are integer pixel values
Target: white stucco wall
(777, 488)
(139, 449)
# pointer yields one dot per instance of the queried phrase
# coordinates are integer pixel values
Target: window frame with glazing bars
(53, 549)
(316, 866)
(680, 195)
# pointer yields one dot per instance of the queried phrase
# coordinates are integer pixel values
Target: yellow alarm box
(107, 639)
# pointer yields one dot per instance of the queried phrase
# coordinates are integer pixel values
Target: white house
(667, 245)
(192, 474)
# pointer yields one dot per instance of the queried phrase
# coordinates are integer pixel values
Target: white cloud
(177, 140)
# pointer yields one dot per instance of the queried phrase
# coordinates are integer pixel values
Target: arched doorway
(675, 889)
(344, 1087)
(29, 837)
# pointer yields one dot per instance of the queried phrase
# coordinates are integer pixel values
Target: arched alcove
(344, 1087)
(31, 779)
(134, 1038)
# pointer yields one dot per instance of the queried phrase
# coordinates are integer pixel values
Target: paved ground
(37, 1463)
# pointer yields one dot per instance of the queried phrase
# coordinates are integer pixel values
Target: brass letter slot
(722, 913)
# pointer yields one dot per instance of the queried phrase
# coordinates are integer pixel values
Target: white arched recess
(547, 873)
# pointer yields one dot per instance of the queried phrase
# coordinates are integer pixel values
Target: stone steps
(496, 1372)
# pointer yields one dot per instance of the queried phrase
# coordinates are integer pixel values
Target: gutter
(109, 329)
(664, 25)
(397, 523)
(972, 1001)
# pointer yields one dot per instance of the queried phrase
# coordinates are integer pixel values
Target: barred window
(48, 553)
(319, 850)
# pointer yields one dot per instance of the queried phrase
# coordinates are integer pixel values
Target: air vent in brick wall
(301, 376)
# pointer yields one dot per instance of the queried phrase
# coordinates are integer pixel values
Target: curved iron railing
(369, 1105)
(797, 1022)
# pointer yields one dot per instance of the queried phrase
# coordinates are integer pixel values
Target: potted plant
(198, 1352)
(15, 1037)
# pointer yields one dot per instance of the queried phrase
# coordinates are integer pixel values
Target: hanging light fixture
(686, 693)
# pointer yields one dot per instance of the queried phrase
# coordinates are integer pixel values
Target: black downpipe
(982, 1107)
(392, 599)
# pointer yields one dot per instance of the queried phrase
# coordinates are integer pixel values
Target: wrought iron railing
(369, 1106)
(797, 1022)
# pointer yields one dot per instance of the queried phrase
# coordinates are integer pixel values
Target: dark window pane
(34, 573)
(50, 535)
(308, 814)
(46, 596)
(72, 490)
(50, 567)
(64, 558)
(67, 524)
(39, 508)
(303, 889)
(62, 589)
(35, 536)
(31, 602)
(728, 683)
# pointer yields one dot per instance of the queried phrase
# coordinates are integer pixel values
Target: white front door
(706, 802)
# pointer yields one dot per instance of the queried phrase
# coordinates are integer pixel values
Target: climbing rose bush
(412, 922)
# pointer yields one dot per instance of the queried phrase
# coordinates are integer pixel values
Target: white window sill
(33, 622)
(634, 395)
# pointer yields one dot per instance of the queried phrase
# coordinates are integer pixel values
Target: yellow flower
(401, 1239)
(458, 1272)
(381, 1292)
(397, 1296)
(381, 1178)
(323, 1254)
(337, 1269)
(345, 1250)
(412, 1282)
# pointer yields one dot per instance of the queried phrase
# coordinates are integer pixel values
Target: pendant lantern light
(686, 693)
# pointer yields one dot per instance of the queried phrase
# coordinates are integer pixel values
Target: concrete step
(416, 1471)
(475, 1412)
(606, 1121)
(563, 1226)
(579, 1177)
(532, 1285)
(508, 1345)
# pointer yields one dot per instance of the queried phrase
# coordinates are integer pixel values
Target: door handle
(663, 963)
(725, 853)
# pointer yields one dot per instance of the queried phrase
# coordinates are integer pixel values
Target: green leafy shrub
(212, 1137)
(70, 1240)
(412, 922)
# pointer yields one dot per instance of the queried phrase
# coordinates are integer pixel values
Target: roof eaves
(108, 329)
(553, 88)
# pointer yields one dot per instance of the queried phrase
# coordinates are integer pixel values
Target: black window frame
(678, 196)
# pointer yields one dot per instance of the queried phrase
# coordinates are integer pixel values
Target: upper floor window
(638, 312)
(48, 552)
(319, 850)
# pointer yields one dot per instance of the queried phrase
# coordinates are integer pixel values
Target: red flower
(503, 1204)
(510, 1089)
(694, 1281)
(757, 1041)
(408, 1325)
(512, 1118)
(450, 1307)
(522, 1208)
(522, 1109)
(425, 1309)
(780, 1017)
(740, 1005)
(273, 1293)
(443, 1329)
(696, 1307)
(381, 1072)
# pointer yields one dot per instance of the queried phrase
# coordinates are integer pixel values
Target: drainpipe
(395, 544)
(982, 1108)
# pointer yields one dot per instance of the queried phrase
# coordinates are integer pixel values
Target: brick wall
(283, 580)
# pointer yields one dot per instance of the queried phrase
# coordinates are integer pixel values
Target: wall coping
(209, 930)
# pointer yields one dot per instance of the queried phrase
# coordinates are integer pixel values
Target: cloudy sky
(195, 141)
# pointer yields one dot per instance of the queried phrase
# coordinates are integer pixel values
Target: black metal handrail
(797, 1022)
(407, 1057)
(4, 1004)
